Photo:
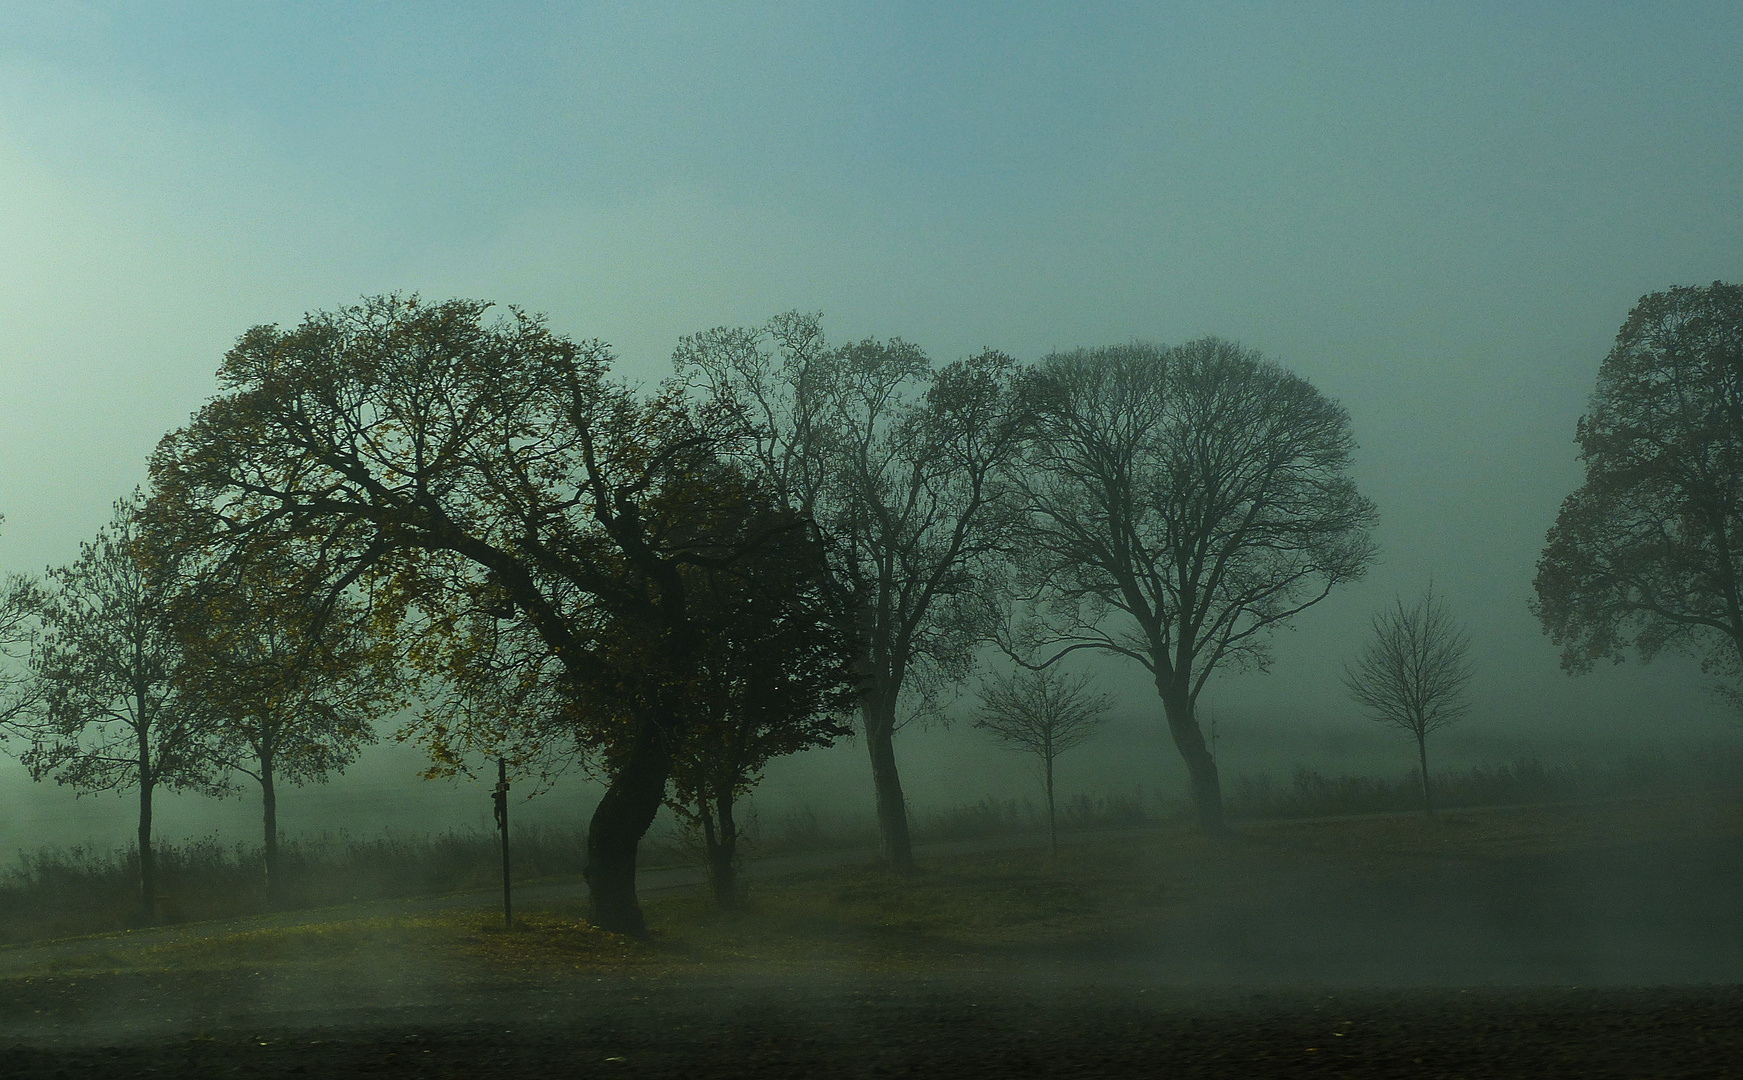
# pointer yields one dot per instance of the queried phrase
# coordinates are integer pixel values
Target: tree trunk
(147, 780)
(619, 822)
(269, 826)
(1052, 823)
(723, 855)
(500, 796)
(880, 728)
(147, 863)
(1422, 756)
(1207, 791)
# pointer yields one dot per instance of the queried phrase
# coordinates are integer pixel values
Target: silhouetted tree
(1648, 553)
(453, 466)
(775, 678)
(771, 675)
(1181, 504)
(1413, 672)
(290, 682)
(1044, 712)
(900, 465)
(108, 712)
(20, 607)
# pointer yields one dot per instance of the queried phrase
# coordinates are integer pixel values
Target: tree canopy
(901, 467)
(20, 606)
(1648, 553)
(1182, 503)
(109, 712)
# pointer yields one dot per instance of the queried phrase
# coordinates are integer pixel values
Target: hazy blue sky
(1438, 213)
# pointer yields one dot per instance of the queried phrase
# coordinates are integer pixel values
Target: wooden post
(501, 797)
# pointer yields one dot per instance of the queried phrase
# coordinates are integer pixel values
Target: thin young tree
(108, 714)
(1044, 712)
(1413, 673)
(1182, 504)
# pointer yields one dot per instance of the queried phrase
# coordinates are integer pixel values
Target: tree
(1042, 711)
(291, 683)
(1648, 553)
(1413, 672)
(901, 466)
(109, 714)
(455, 467)
(775, 678)
(771, 676)
(20, 606)
(1182, 504)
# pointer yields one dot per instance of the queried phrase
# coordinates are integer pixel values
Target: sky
(1438, 214)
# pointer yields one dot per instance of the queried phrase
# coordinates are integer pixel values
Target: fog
(1438, 216)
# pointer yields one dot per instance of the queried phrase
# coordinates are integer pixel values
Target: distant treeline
(1311, 793)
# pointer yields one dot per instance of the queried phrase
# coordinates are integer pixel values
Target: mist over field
(1433, 221)
(944, 769)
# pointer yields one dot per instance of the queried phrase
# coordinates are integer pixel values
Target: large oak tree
(1648, 553)
(426, 452)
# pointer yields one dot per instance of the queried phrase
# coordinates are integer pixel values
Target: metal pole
(501, 796)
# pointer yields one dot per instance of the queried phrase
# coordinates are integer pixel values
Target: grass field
(968, 910)
(52, 893)
(1596, 939)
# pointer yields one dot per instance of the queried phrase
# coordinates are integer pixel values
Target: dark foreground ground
(1555, 942)
(922, 1027)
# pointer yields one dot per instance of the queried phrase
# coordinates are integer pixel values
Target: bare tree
(1182, 504)
(901, 467)
(1413, 673)
(1044, 712)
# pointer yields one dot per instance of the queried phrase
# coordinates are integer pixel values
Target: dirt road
(1024, 1026)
